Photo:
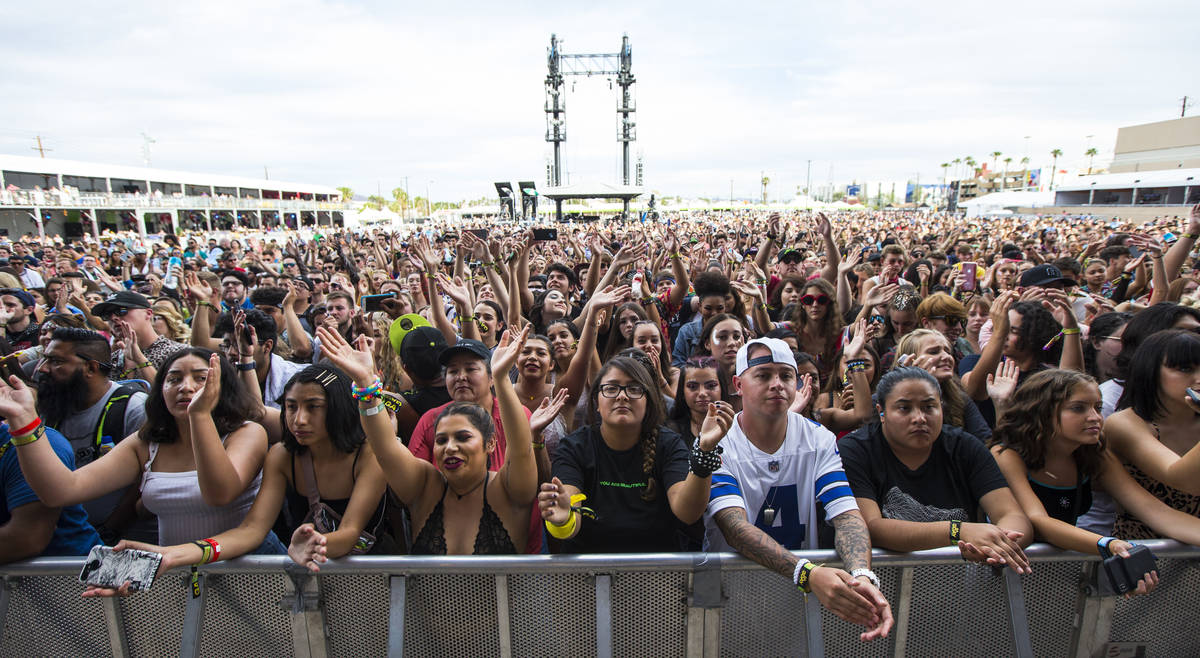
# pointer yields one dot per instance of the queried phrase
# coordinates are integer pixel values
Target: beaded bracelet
(368, 394)
(859, 365)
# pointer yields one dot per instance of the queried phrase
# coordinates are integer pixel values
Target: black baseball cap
(117, 301)
(466, 346)
(420, 352)
(790, 256)
(1043, 275)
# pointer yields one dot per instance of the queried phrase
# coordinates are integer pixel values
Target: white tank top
(183, 516)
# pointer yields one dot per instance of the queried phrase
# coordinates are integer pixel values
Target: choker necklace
(471, 490)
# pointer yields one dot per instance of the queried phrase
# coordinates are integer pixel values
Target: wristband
(704, 462)
(870, 575)
(1190, 236)
(1102, 546)
(205, 551)
(803, 576)
(371, 411)
(368, 394)
(27, 429)
(216, 548)
(26, 440)
(1059, 336)
(955, 531)
(539, 445)
(563, 531)
(246, 367)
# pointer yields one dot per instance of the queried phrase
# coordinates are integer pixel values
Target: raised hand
(609, 296)
(1002, 383)
(824, 227)
(545, 413)
(506, 352)
(358, 364)
(748, 290)
(307, 548)
(852, 259)
(881, 294)
(716, 424)
(205, 400)
(858, 338)
(17, 402)
(455, 289)
(804, 395)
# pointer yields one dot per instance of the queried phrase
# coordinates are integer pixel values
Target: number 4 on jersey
(785, 528)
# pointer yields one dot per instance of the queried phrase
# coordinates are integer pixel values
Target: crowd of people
(749, 382)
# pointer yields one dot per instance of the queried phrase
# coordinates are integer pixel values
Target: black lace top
(491, 538)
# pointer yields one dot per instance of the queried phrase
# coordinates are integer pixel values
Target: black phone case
(1121, 575)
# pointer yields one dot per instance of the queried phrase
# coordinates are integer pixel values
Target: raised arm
(224, 470)
(298, 339)
(208, 307)
(689, 498)
(975, 382)
(832, 256)
(519, 472)
(682, 282)
(1179, 251)
(406, 473)
(574, 379)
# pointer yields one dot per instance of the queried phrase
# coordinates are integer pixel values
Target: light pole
(428, 201)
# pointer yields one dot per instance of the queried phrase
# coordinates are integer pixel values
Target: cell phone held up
(969, 274)
(372, 303)
(545, 234)
(108, 568)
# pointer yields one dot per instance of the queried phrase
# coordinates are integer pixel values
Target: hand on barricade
(854, 600)
(985, 543)
(307, 548)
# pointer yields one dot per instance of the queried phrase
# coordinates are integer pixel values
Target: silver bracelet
(869, 574)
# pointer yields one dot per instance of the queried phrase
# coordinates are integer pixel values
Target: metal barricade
(660, 605)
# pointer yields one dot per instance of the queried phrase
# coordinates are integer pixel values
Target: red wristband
(27, 429)
(216, 548)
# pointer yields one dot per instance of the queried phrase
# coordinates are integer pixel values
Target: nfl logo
(773, 466)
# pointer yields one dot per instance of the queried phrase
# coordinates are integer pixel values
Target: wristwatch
(246, 367)
(869, 574)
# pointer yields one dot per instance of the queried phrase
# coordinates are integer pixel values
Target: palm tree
(400, 198)
(347, 194)
(1091, 154)
(1056, 153)
(765, 182)
(995, 155)
(957, 162)
(1004, 181)
(970, 162)
(1024, 171)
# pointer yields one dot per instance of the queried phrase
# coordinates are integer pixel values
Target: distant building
(1173, 144)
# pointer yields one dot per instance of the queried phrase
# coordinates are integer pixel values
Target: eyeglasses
(809, 300)
(632, 391)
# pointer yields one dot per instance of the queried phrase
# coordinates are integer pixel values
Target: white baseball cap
(781, 352)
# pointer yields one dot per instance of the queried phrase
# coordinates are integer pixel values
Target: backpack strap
(111, 427)
(310, 479)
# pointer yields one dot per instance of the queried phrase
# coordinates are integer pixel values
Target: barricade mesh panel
(356, 613)
(243, 616)
(649, 614)
(540, 606)
(763, 615)
(154, 619)
(959, 610)
(1166, 620)
(841, 637)
(450, 615)
(48, 617)
(1050, 596)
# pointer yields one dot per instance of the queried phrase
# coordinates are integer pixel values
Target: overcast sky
(450, 96)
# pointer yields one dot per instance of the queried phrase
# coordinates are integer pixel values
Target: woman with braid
(642, 484)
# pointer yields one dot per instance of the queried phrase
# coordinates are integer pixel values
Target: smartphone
(1120, 575)
(108, 568)
(372, 303)
(542, 234)
(480, 233)
(10, 366)
(1194, 396)
(969, 274)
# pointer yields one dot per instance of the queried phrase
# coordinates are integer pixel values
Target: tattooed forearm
(753, 543)
(852, 540)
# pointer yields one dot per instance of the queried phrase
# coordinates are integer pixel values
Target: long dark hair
(680, 412)
(1173, 348)
(1146, 323)
(1102, 327)
(234, 405)
(342, 421)
(1031, 416)
(648, 432)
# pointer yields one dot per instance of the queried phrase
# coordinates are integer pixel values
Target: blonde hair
(954, 396)
(391, 373)
(176, 329)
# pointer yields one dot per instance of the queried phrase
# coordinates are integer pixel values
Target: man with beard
(20, 325)
(234, 285)
(135, 342)
(76, 397)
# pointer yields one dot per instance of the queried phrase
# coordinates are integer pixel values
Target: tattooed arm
(852, 540)
(747, 539)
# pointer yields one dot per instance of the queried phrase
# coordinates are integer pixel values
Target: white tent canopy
(1005, 202)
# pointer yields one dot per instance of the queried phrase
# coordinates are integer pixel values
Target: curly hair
(1038, 327)
(1030, 420)
(648, 431)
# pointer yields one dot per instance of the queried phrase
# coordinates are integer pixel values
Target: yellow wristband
(566, 530)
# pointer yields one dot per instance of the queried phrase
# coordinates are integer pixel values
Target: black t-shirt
(614, 481)
(948, 486)
(426, 398)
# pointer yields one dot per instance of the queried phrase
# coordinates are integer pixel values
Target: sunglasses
(809, 300)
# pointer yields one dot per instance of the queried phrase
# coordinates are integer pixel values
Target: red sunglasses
(809, 300)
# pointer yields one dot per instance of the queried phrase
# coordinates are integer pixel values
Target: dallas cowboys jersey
(780, 491)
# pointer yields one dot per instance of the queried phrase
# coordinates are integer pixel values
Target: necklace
(472, 489)
(769, 511)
